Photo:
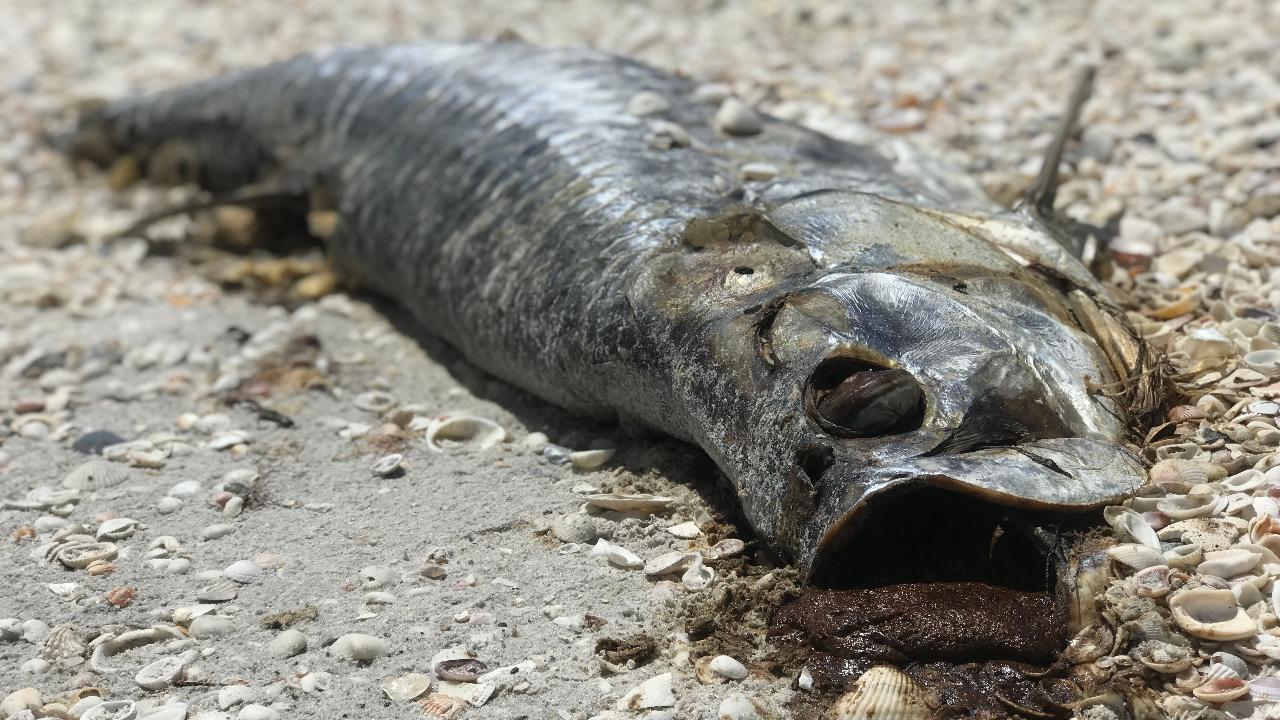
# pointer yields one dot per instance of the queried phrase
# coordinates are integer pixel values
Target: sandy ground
(97, 336)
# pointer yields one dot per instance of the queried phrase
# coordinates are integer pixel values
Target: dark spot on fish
(815, 461)
(238, 334)
(851, 398)
(92, 443)
(744, 270)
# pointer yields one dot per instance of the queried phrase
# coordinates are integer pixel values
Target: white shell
(112, 710)
(254, 711)
(1245, 481)
(95, 475)
(739, 707)
(1219, 690)
(1131, 526)
(1184, 507)
(616, 554)
(469, 429)
(171, 711)
(727, 548)
(406, 687)
(359, 647)
(590, 459)
(207, 626)
(288, 643)
(620, 502)
(388, 465)
(685, 531)
(231, 695)
(1211, 614)
(243, 571)
(652, 693)
(1229, 563)
(116, 529)
(1183, 556)
(78, 555)
(698, 576)
(160, 674)
(1135, 556)
(373, 577)
(727, 667)
(668, 563)
(883, 693)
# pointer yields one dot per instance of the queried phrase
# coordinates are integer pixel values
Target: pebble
(167, 505)
(647, 102)
(316, 682)
(257, 712)
(160, 674)
(213, 532)
(232, 695)
(359, 647)
(209, 626)
(36, 666)
(737, 118)
(288, 643)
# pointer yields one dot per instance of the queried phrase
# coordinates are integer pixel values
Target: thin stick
(1044, 191)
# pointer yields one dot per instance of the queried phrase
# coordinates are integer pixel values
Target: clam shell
(470, 430)
(725, 549)
(697, 576)
(685, 531)
(437, 705)
(1266, 362)
(650, 694)
(116, 529)
(621, 502)
(95, 475)
(243, 571)
(1152, 582)
(668, 563)
(112, 710)
(406, 687)
(1229, 563)
(1245, 481)
(1211, 614)
(883, 693)
(1184, 556)
(464, 669)
(78, 555)
(1185, 507)
(616, 554)
(590, 459)
(1220, 690)
(358, 647)
(1131, 526)
(1135, 556)
(388, 465)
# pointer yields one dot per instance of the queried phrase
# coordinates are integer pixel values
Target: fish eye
(851, 398)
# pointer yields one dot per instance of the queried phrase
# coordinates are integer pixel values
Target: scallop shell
(116, 529)
(63, 647)
(1190, 472)
(652, 693)
(621, 502)
(1211, 614)
(437, 705)
(406, 687)
(1220, 690)
(1135, 556)
(883, 693)
(1185, 507)
(243, 571)
(77, 555)
(95, 475)
(1184, 413)
(1131, 526)
(467, 429)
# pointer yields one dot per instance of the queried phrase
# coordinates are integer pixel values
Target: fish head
(922, 376)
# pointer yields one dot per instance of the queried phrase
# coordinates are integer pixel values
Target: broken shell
(725, 549)
(359, 647)
(685, 531)
(884, 693)
(1231, 662)
(63, 647)
(1135, 556)
(1229, 563)
(619, 502)
(388, 465)
(1131, 526)
(1183, 556)
(463, 669)
(116, 529)
(1266, 362)
(112, 710)
(668, 563)
(467, 429)
(590, 459)
(652, 693)
(1184, 507)
(374, 401)
(221, 591)
(95, 475)
(120, 596)
(208, 626)
(1245, 481)
(1152, 582)
(616, 554)
(243, 571)
(1184, 413)
(1091, 643)
(406, 687)
(1211, 614)
(77, 555)
(438, 705)
(160, 674)
(1220, 690)
(698, 576)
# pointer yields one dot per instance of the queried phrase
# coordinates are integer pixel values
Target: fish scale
(504, 195)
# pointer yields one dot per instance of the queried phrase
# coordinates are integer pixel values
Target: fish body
(833, 323)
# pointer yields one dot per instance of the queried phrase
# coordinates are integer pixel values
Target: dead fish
(857, 322)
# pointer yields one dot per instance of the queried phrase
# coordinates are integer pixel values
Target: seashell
(1220, 690)
(120, 596)
(315, 682)
(590, 459)
(740, 707)
(1131, 526)
(160, 674)
(462, 669)
(116, 529)
(619, 502)
(685, 531)
(1152, 582)
(374, 401)
(19, 700)
(1218, 670)
(1185, 413)
(1135, 556)
(1266, 362)
(289, 643)
(406, 687)
(1183, 556)
(474, 694)
(1242, 378)
(697, 576)
(112, 710)
(616, 554)
(254, 711)
(1180, 302)
(1191, 472)
(650, 694)
(1244, 481)
(438, 705)
(78, 555)
(243, 571)
(1231, 662)
(376, 576)
(1211, 614)
(468, 429)
(1185, 507)
(170, 711)
(221, 591)
(1229, 563)
(231, 695)
(726, 667)
(388, 465)
(95, 475)
(1091, 643)
(63, 647)
(1156, 520)
(359, 647)
(1167, 658)
(85, 692)
(669, 563)
(1265, 689)
(1209, 533)
(884, 693)
(208, 626)
(725, 549)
